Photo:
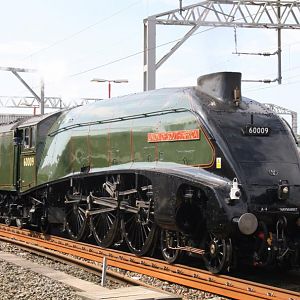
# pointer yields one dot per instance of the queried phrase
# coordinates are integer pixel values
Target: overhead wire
(258, 87)
(81, 31)
(140, 52)
(121, 58)
(116, 60)
(276, 85)
(125, 57)
(132, 55)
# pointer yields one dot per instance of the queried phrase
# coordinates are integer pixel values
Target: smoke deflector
(223, 86)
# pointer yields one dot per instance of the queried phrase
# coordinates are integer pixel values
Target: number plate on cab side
(252, 130)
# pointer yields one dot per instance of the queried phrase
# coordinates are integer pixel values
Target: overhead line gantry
(245, 14)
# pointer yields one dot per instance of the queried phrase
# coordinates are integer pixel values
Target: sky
(72, 42)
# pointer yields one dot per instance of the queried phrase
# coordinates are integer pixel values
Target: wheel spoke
(220, 259)
(109, 219)
(97, 222)
(144, 231)
(77, 224)
(142, 238)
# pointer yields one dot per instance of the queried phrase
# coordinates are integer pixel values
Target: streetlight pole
(109, 89)
(109, 83)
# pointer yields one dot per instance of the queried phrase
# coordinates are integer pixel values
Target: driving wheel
(75, 219)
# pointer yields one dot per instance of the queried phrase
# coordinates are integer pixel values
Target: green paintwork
(30, 158)
(7, 153)
(27, 169)
(19, 164)
(106, 134)
(79, 142)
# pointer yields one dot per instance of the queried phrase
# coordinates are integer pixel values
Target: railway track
(70, 260)
(194, 278)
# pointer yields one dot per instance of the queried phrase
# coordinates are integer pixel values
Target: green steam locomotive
(197, 170)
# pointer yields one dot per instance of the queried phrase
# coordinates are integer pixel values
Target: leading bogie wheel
(19, 223)
(169, 244)
(218, 253)
(8, 221)
(44, 225)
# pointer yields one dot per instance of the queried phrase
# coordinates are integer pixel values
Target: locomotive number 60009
(256, 130)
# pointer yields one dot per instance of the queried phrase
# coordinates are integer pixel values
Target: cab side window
(32, 137)
(26, 138)
(18, 137)
(29, 137)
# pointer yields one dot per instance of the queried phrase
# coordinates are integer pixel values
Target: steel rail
(227, 286)
(78, 262)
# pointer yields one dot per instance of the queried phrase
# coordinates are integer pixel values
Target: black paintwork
(252, 158)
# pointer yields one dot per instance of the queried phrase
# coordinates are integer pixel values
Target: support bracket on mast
(16, 71)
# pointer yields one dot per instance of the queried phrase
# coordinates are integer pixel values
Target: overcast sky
(67, 38)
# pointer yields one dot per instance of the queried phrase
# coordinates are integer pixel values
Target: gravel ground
(19, 283)
(16, 283)
(68, 269)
